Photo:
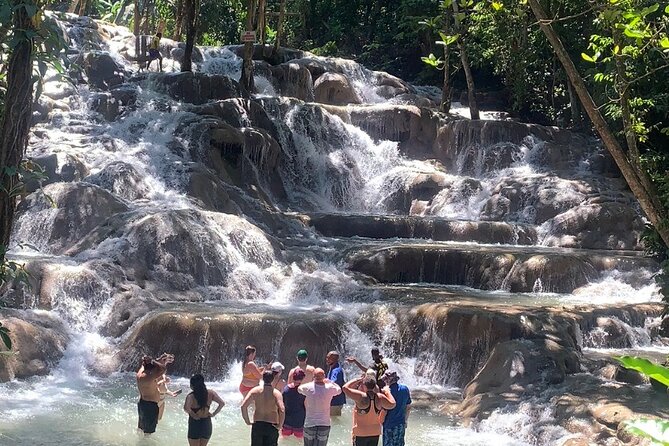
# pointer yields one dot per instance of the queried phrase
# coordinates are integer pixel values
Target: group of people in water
(301, 406)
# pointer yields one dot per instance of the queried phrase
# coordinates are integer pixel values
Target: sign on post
(248, 37)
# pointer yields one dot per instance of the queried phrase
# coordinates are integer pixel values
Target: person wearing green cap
(302, 357)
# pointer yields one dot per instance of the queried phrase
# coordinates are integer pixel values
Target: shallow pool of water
(58, 410)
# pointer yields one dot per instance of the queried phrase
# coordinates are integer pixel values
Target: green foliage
(650, 369)
(328, 50)
(4, 336)
(657, 431)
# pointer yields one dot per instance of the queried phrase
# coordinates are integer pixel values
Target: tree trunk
(247, 65)
(445, 105)
(16, 120)
(279, 27)
(178, 21)
(138, 46)
(655, 214)
(262, 4)
(73, 6)
(471, 88)
(191, 31)
(576, 116)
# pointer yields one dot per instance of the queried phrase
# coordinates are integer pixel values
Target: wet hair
(159, 34)
(268, 377)
(250, 349)
(147, 362)
(369, 383)
(199, 390)
(375, 351)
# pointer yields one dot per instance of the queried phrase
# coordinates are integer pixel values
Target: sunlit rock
(335, 89)
(57, 217)
(38, 340)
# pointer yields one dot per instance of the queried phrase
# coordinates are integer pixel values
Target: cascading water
(135, 240)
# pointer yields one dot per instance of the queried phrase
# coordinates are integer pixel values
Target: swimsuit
(148, 416)
(367, 425)
(199, 429)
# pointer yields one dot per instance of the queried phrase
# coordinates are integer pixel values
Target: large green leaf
(655, 430)
(4, 336)
(644, 366)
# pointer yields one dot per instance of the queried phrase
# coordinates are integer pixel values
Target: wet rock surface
(221, 337)
(63, 213)
(488, 268)
(38, 344)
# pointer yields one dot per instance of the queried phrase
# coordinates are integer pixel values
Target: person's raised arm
(255, 370)
(290, 375)
(280, 407)
(354, 360)
(219, 401)
(245, 406)
(188, 407)
(387, 399)
(351, 390)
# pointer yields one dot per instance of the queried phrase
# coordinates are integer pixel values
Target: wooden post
(279, 27)
(247, 66)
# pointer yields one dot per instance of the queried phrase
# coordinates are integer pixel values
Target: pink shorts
(287, 431)
(244, 389)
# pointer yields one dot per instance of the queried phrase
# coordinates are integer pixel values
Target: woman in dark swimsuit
(197, 407)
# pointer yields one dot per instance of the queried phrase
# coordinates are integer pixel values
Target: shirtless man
(308, 370)
(149, 394)
(269, 412)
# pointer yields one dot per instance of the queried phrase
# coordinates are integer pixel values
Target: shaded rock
(519, 364)
(335, 89)
(39, 341)
(534, 199)
(607, 225)
(102, 71)
(196, 88)
(112, 103)
(121, 179)
(610, 333)
(57, 167)
(268, 54)
(79, 207)
(629, 376)
(177, 53)
(221, 335)
(434, 228)
(422, 187)
(247, 157)
(414, 128)
(490, 268)
(292, 80)
(208, 189)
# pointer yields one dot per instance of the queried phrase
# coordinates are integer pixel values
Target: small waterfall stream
(201, 227)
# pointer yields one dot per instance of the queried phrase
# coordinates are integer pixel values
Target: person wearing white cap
(279, 383)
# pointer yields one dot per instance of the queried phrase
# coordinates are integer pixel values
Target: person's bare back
(308, 373)
(267, 404)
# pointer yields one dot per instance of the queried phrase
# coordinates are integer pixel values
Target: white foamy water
(330, 166)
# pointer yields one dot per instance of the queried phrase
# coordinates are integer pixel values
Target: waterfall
(200, 227)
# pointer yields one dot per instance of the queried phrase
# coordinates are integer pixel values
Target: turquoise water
(55, 410)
